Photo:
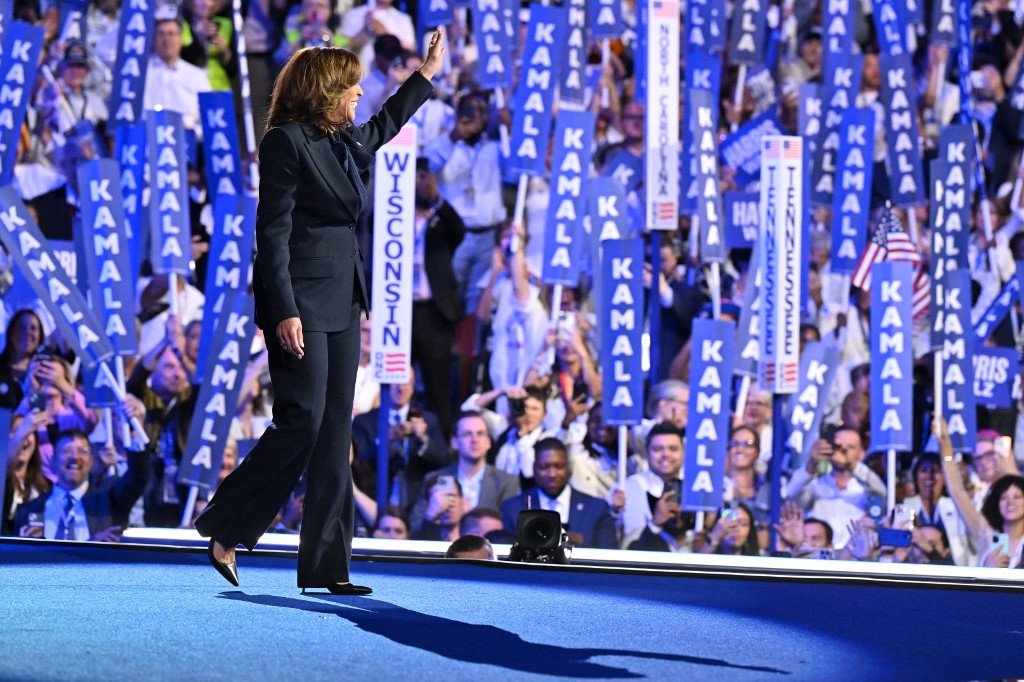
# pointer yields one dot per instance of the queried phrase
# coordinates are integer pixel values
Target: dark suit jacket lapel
(326, 162)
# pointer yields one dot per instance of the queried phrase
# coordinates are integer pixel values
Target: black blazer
(445, 231)
(588, 516)
(106, 505)
(312, 190)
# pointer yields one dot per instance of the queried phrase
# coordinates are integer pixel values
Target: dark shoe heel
(229, 571)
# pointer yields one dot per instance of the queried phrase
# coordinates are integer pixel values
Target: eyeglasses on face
(741, 443)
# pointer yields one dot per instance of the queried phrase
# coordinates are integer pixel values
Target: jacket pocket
(310, 268)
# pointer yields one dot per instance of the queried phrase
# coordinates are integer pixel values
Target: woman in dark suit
(309, 288)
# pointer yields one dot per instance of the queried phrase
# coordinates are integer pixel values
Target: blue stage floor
(106, 613)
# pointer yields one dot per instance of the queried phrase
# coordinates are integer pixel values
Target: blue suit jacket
(588, 516)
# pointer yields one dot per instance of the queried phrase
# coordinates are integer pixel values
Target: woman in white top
(1002, 511)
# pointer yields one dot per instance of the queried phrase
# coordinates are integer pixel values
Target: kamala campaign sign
(221, 150)
(563, 235)
(6, 16)
(662, 115)
(806, 406)
(494, 63)
(842, 82)
(889, 27)
(837, 27)
(741, 151)
(436, 13)
(28, 248)
(133, 39)
(742, 216)
(950, 218)
(217, 403)
(531, 125)
(605, 19)
(709, 198)
(106, 254)
(747, 33)
(892, 356)
(958, 405)
(622, 323)
(230, 258)
(607, 210)
(572, 84)
(1010, 294)
(22, 43)
(944, 23)
(996, 376)
(851, 201)
(782, 215)
(703, 72)
(708, 414)
(748, 342)
(130, 152)
(169, 218)
(394, 224)
(706, 25)
(906, 179)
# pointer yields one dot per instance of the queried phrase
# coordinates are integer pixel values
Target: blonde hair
(310, 86)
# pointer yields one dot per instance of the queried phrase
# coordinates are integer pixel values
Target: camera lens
(538, 531)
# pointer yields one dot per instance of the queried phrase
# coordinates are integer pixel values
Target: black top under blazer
(312, 190)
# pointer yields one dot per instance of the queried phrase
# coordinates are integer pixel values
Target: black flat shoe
(345, 590)
(229, 571)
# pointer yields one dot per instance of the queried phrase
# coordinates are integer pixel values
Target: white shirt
(54, 511)
(176, 88)
(420, 282)
(469, 178)
(824, 500)
(471, 487)
(637, 515)
(517, 333)
(395, 22)
(367, 390)
(559, 504)
(516, 456)
(190, 308)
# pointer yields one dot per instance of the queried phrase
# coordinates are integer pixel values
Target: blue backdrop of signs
(130, 152)
(494, 66)
(741, 151)
(703, 72)
(944, 23)
(958, 404)
(563, 235)
(168, 201)
(805, 408)
(534, 97)
(742, 219)
(221, 150)
(837, 27)
(892, 356)
(709, 196)
(851, 201)
(705, 26)
(22, 43)
(622, 313)
(906, 181)
(435, 13)
(607, 210)
(995, 372)
(1011, 293)
(748, 340)
(841, 84)
(808, 114)
(134, 38)
(747, 33)
(708, 414)
(889, 26)
(605, 20)
(572, 85)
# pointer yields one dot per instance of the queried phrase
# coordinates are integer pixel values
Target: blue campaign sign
(837, 27)
(709, 197)
(741, 151)
(851, 201)
(958, 404)
(563, 235)
(625, 168)
(705, 26)
(130, 152)
(96, 386)
(221, 150)
(842, 76)
(72, 20)
(572, 84)
(234, 224)
(708, 414)
(433, 13)
(747, 32)
(622, 323)
(28, 248)
(892, 356)
(169, 218)
(6, 16)
(605, 19)
(913, 12)
(22, 43)
(808, 114)
(944, 23)
(608, 211)
(1000, 307)
(535, 95)
(950, 218)
(898, 96)
(748, 340)
(703, 72)
(134, 36)
(889, 26)
(494, 63)
(106, 254)
(995, 371)
(218, 395)
(742, 219)
(805, 408)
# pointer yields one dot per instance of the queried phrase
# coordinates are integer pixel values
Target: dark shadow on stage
(475, 643)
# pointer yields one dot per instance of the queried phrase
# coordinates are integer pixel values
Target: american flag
(665, 9)
(889, 242)
(783, 149)
(394, 362)
(666, 210)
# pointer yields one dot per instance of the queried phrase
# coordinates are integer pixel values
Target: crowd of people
(503, 411)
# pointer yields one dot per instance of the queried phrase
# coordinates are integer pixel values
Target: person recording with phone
(998, 529)
(651, 517)
(445, 508)
(23, 337)
(733, 533)
(935, 510)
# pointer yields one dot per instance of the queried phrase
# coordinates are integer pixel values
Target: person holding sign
(309, 288)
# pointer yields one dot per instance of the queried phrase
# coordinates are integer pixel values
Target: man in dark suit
(416, 443)
(482, 484)
(437, 303)
(74, 510)
(587, 519)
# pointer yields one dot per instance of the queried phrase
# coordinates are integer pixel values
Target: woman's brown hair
(310, 86)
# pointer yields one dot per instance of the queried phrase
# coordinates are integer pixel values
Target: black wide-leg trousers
(312, 432)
